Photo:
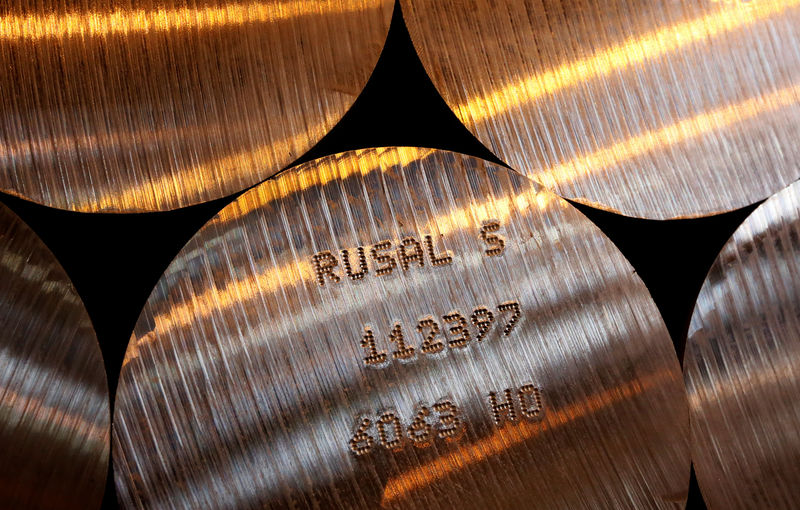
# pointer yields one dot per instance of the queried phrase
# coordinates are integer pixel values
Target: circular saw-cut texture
(653, 109)
(400, 328)
(150, 105)
(742, 364)
(55, 420)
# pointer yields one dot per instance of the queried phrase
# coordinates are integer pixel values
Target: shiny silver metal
(151, 105)
(400, 328)
(657, 109)
(55, 421)
(742, 364)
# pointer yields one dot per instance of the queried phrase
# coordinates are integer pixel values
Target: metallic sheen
(151, 105)
(54, 410)
(742, 365)
(655, 109)
(261, 374)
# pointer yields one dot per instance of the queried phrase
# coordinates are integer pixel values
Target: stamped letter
(495, 242)
(504, 410)
(437, 260)
(362, 264)
(410, 251)
(389, 263)
(323, 263)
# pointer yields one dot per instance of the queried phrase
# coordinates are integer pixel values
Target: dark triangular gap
(695, 500)
(672, 257)
(111, 272)
(114, 260)
(399, 106)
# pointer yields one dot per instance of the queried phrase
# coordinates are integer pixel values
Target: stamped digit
(419, 432)
(450, 424)
(396, 336)
(482, 319)
(516, 312)
(373, 357)
(361, 442)
(430, 345)
(390, 420)
(425, 427)
(459, 330)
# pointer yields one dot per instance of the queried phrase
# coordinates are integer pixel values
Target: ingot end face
(54, 406)
(162, 105)
(742, 364)
(654, 109)
(400, 328)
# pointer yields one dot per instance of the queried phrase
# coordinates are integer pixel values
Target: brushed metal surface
(153, 105)
(659, 109)
(260, 374)
(742, 365)
(55, 421)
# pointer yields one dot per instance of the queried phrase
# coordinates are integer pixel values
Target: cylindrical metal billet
(54, 410)
(400, 328)
(656, 109)
(155, 105)
(742, 365)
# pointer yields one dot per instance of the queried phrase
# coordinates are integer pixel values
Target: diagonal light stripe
(635, 50)
(692, 127)
(101, 24)
(501, 441)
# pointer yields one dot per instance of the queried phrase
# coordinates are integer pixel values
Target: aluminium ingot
(660, 109)
(400, 328)
(153, 105)
(55, 421)
(742, 364)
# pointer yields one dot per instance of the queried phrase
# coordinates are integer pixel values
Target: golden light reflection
(193, 181)
(188, 183)
(503, 439)
(635, 50)
(102, 24)
(683, 130)
(202, 305)
(362, 162)
(371, 160)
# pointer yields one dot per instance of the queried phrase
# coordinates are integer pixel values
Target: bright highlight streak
(500, 441)
(683, 130)
(272, 280)
(100, 24)
(634, 51)
(191, 182)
